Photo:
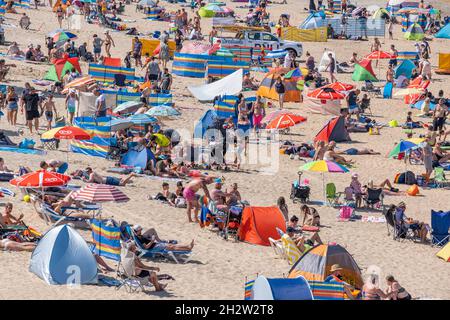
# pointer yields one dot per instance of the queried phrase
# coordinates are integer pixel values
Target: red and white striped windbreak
(40, 179)
(100, 193)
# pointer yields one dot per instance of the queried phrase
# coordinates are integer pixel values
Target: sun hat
(335, 267)
(355, 175)
(137, 227)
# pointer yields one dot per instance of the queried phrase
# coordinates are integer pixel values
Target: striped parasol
(77, 83)
(99, 193)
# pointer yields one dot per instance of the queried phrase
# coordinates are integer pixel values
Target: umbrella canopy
(40, 179)
(67, 132)
(63, 36)
(285, 121)
(99, 193)
(340, 86)
(323, 166)
(402, 146)
(120, 124)
(275, 114)
(77, 83)
(326, 94)
(61, 67)
(129, 106)
(163, 111)
(141, 118)
(408, 91)
(377, 55)
(147, 3)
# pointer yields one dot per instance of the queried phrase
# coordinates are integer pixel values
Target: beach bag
(413, 190)
(345, 213)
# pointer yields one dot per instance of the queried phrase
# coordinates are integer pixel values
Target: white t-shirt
(100, 102)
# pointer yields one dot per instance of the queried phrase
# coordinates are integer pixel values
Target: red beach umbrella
(326, 94)
(285, 121)
(40, 179)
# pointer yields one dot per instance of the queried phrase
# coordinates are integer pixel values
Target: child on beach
(49, 110)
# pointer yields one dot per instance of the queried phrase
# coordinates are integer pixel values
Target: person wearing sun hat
(336, 276)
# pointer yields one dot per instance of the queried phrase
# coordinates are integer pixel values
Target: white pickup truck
(263, 39)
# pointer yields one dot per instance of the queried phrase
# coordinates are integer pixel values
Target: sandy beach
(218, 268)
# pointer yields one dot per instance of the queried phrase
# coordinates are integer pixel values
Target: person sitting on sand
(7, 219)
(94, 177)
(439, 155)
(14, 51)
(163, 167)
(310, 216)
(190, 194)
(218, 196)
(303, 244)
(293, 223)
(234, 196)
(420, 229)
(320, 150)
(248, 82)
(144, 271)
(331, 155)
(395, 290)
(336, 276)
(3, 167)
(55, 166)
(4, 69)
(371, 291)
(152, 242)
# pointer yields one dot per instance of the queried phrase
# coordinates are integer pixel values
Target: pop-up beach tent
(363, 71)
(315, 265)
(62, 256)
(444, 32)
(258, 224)
(231, 84)
(281, 289)
(334, 130)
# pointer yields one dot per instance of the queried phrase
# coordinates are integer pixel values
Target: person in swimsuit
(49, 110)
(320, 150)
(395, 290)
(108, 42)
(310, 216)
(153, 242)
(55, 166)
(71, 104)
(331, 68)
(371, 291)
(10, 245)
(439, 155)
(331, 155)
(258, 113)
(355, 152)
(94, 177)
(7, 218)
(303, 244)
(190, 194)
(12, 105)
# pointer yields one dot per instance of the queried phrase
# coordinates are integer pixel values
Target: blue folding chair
(440, 224)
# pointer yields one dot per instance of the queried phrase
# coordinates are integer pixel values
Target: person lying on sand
(386, 184)
(10, 245)
(144, 271)
(94, 177)
(354, 152)
(150, 242)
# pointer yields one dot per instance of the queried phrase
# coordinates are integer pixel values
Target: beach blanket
(164, 179)
(373, 219)
(24, 151)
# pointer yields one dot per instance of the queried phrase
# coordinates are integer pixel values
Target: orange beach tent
(267, 86)
(260, 223)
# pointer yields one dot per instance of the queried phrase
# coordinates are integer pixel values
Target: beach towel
(373, 219)
(24, 151)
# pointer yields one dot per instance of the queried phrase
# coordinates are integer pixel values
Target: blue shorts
(351, 151)
(63, 168)
(112, 181)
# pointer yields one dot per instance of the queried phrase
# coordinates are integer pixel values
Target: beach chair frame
(332, 195)
(373, 197)
(439, 177)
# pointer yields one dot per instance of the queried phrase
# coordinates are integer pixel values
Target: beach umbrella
(323, 166)
(340, 86)
(60, 68)
(416, 141)
(40, 179)
(326, 94)
(67, 132)
(77, 83)
(378, 55)
(295, 73)
(163, 111)
(120, 124)
(63, 36)
(128, 107)
(99, 193)
(402, 146)
(275, 114)
(285, 121)
(408, 91)
(147, 3)
(276, 54)
(142, 118)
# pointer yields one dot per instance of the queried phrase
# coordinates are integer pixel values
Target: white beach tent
(326, 60)
(63, 257)
(230, 85)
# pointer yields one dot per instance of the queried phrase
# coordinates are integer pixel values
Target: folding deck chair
(439, 177)
(177, 256)
(440, 224)
(374, 197)
(332, 196)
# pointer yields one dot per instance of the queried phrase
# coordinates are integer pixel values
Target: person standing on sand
(137, 51)
(97, 43)
(32, 101)
(108, 43)
(49, 110)
(60, 15)
(331, 68)
(190, 194)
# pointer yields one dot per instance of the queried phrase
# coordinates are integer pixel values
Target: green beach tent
(363, 71)
(60, 68)
(414, 32)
